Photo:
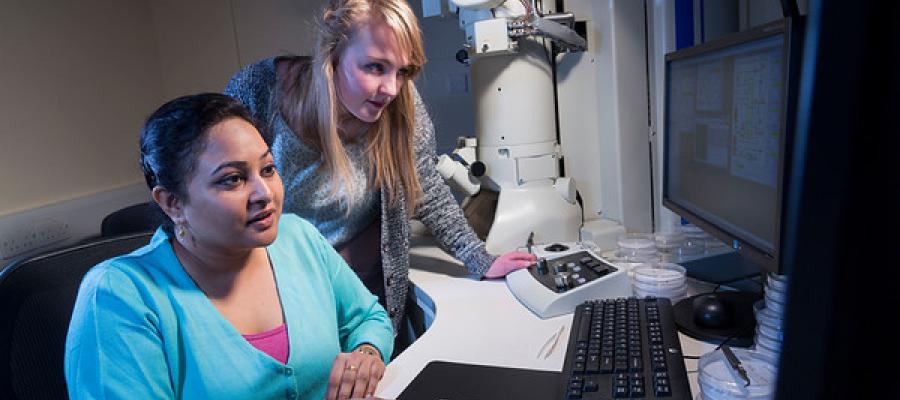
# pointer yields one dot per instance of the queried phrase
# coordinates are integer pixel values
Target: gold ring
(351, 367)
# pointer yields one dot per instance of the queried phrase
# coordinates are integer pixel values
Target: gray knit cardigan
(255, 86)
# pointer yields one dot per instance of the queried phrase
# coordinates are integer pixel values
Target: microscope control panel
(566, 274)
(570, 271)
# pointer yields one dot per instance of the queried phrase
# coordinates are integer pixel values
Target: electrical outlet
(25, 238)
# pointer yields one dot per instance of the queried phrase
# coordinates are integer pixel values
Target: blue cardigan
(141, 328)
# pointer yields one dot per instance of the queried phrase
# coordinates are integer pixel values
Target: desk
(480, 322)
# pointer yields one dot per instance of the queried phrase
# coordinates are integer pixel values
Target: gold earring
(181, 232)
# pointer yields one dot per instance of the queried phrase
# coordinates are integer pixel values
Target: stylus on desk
(552, 341)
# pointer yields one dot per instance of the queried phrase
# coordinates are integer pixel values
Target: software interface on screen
(724, 127)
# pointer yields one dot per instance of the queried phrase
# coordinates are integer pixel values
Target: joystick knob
(562, 281)
(560, 268)
(542, 266)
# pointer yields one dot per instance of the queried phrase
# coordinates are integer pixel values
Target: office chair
(132, 219)
(37, 295)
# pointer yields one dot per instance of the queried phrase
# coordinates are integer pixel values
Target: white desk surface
(480, 322)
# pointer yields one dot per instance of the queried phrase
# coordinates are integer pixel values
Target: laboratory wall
(79, 77)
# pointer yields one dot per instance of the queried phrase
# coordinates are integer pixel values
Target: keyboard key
(593, 364)
(663, 391)
(578, 367)
(606, 365)
(574, 394)
(637, 382)
(635, 364)
(637, 391)
(590, 386)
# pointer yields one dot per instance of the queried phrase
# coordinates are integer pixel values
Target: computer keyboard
(625, 348)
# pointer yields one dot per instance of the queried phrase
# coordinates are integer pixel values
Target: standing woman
(356, 146)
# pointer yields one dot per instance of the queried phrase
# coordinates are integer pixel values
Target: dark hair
(173, 138)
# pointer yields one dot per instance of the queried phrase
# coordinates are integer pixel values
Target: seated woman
(230, 299)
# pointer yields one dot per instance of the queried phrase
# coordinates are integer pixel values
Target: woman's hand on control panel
(510, 262)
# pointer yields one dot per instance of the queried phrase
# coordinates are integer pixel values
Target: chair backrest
(37, 296)
(132, 219)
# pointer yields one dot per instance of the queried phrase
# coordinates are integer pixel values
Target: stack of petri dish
(769, 318)
(670, 245)
(634, 250)
(660, 280)
(637, 246)
(695, 240)
(719, 381)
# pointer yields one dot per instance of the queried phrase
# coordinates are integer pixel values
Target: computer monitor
(728, 109)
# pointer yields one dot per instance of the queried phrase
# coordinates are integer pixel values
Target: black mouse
(711, 312)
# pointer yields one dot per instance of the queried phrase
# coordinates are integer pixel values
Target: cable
(738, 279)
(789, 8)
(735, 334)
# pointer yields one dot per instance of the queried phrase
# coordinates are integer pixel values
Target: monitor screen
(726, 103)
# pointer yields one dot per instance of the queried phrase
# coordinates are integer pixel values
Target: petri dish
(660, 273)
(713, 243)
(636, 245)
(670, 242)
(660, 286)
(774, 303)
(693, 247)
(776, 282)
(766, 342)
(779, 296)
(767, 354)
(660, 280)
(718, 380)
(773, 333)
(674, 294)
(769, 319)
(664, 288)
(667, 294)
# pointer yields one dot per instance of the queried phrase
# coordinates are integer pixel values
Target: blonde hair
(310, 105)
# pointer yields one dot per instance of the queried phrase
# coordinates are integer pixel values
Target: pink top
(273, 342)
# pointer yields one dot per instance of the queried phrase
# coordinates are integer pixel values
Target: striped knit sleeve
(437, 208)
